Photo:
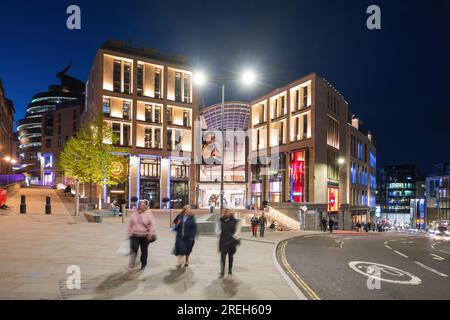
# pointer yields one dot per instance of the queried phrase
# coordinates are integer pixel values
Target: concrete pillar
(165, 180)
(134, 176)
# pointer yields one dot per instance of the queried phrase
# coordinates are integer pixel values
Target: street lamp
(247, 78)
(7, 158)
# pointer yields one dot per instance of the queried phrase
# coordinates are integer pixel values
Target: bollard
(48, 206)
(23, 205)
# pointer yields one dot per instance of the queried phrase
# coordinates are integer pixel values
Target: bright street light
(199, 78)
(248, 77)
(341, 161)
(7, 158)
(13, 161)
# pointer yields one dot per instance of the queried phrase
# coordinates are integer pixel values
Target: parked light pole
(247, 78)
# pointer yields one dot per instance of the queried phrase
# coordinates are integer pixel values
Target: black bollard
(23, 205)
(48, 206)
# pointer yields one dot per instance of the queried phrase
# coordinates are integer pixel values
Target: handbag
(152, 238)
(124, 249)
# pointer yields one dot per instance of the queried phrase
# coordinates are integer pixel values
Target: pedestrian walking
(142, 231)
(228, 229)
(324, 224)
(186, 229)
(262, 224)
(331, 225)
(358, 226)
(254, 222)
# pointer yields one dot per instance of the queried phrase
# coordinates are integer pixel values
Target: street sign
(304, 208)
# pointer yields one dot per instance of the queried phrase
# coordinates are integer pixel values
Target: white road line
(401, 254)
(435, 244)
(444, 251)
(388, 247)
(435, 256)
(430, 269)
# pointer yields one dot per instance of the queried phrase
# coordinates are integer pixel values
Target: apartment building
(6, 132)
(150, 103)
(307, 148)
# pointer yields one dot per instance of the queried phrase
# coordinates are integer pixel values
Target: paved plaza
(36, 250)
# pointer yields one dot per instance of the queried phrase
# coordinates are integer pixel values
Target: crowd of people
(142, 232)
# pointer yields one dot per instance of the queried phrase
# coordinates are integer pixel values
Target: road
(400, 265)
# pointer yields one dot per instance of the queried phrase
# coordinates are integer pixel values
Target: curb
(280, 269)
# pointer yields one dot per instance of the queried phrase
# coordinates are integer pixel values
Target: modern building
(38, 115)
(236, 121)
(6, 132)
(58, 126)
(150, 103)
(235, 116)
(309, 151)
(399, 184)
(438, 193)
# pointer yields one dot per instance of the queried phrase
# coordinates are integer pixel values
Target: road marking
(295, 275)
(435, 256)
(435, 244)
(388, 246)
(407, 242)
(389, 273)
(430, 269)
(401, 254)
(444, 251)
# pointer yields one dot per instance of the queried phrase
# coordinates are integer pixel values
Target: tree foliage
(92, 157)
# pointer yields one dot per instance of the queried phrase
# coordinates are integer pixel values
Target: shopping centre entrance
(234, 195)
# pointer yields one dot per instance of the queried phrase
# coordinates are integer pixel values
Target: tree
(92, 157)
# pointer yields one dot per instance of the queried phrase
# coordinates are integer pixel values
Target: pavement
(372, 266)
(38, 251)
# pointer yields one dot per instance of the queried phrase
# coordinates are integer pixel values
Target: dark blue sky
(396, 79)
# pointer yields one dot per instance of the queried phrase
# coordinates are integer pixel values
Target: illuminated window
(333, 133)
(333, 199)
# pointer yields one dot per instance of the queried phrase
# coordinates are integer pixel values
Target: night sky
(396, 79)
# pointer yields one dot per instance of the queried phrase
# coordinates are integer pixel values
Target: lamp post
(248, 78)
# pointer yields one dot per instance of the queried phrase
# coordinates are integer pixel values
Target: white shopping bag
(124, 249)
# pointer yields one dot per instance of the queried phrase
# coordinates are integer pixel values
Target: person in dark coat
(324, 224)
(254, 222)
(262, 224)
(228, 228)
(331, 225)
(186, 229)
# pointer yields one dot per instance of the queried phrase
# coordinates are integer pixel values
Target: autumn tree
(91, 156)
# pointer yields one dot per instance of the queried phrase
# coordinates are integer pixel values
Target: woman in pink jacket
(142, 231)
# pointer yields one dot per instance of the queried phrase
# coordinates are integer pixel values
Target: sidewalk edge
(289, 281)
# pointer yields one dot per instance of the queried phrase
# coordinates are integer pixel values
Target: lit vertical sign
(297, 182)
(333, 199)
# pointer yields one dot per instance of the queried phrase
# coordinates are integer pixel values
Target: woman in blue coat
(186, 229)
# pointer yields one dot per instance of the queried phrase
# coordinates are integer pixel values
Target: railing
(6, 179)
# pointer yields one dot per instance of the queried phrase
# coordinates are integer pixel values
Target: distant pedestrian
(186, 228)
(331, 225)
(262, 224)
(369, 226)
(358, 226)
(228, 229)
(142, 231)
(254, 222)
(324, 224)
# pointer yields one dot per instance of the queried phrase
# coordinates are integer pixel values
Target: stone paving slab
(35, 251)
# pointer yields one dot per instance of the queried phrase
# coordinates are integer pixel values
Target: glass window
(106, 107)
(140, 79)
(178, 86)
(127, 77)
(126, 110)
(157, 83)
(117, 75)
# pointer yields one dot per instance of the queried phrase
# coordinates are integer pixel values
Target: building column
(165, 180)
(134, 176)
